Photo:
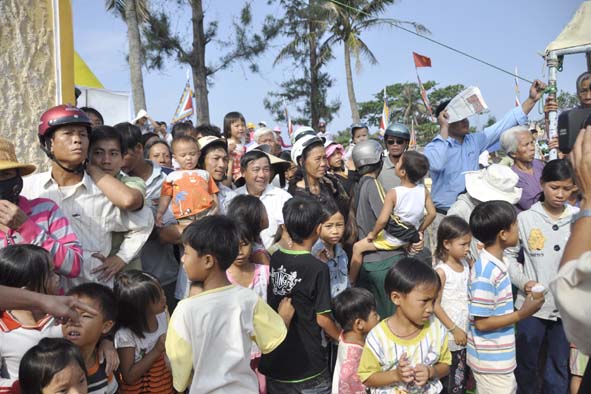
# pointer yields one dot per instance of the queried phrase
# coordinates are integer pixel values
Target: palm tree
(349, 19)
(133, 13)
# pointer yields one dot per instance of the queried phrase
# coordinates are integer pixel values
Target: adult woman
(311, 178)
(543, 231)
(519, 145)
(159, 152)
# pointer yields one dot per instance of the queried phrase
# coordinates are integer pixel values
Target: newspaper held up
(467, 103)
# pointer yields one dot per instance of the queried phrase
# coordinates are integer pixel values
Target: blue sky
(505, 33)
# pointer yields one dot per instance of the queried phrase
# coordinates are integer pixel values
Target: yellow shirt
(383, 350)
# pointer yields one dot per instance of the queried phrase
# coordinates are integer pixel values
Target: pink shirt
(259, 281)
(345, 379)
(48, 228)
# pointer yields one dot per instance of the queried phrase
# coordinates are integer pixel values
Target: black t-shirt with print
(306, 280)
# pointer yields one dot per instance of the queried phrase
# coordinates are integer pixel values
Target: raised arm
(121, 195)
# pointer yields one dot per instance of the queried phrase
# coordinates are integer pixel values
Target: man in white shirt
(64, 136)
(256, 170)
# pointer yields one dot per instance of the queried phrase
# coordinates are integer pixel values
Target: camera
(569, 124)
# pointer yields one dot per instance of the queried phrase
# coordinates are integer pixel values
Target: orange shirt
(191, 191)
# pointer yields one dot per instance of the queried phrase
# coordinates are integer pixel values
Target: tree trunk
(314, 88)
(588, 61)
(135, 61)
(198, 63)
(350, 87)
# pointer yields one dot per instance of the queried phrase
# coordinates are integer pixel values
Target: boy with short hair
(212, 332)
(88, 332)
(192, 192)
(299, 363)
(355, 311)
(491, 335)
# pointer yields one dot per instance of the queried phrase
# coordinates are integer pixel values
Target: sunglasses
(397, 141)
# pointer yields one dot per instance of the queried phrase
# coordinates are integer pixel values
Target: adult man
(38, 221)
(256, 170)
(214, 160)
(63, 134)
(157, 257)
(396, 138)
(367, 157)
(454, 150)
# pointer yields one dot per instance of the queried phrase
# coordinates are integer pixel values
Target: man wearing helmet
(396, 140)
(64, 136)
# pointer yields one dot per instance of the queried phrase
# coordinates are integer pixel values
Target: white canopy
(577, 32)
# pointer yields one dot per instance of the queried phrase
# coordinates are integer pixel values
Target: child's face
(244, 252)
(333, 229)
(90, 329)
(459, 247)
(186, 154)
(106, 155)
(417, 306)
(159, 306)
(360, 135)
(70, 380)
(237, 130)
(372, 320)
(194, 265)
(556, 193)
(510, 237)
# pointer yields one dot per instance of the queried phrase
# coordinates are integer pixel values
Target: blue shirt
(337, 265)
(449, 159)
(490, 295)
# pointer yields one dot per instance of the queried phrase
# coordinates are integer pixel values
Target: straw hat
(8, 159)
(497, 182)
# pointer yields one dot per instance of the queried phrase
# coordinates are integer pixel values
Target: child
(355, 311)
(52, 366)
(142, 322)
(407, 201)
(407, 352)
(300, 361)
(212, 333)
(453, 245)
(251, 213)
(491, 335)
(29, 267)
(193, 192)
(328, 249)
(92, 327)
(235, 133)
(244, 272)
(544, 230)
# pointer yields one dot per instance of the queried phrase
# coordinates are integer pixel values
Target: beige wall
(27, 74)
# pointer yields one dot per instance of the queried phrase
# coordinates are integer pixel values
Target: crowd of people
(210, 260)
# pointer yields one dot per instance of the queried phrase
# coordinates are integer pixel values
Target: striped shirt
(98, 380)
(48, 228)
(383, 350)
(490, 295)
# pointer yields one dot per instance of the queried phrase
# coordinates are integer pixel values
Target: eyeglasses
(397, 141)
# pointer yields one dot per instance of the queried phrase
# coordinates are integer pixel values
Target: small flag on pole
(289, 125)
(385, 114)
(185, 108)
(517, 103)
(421, 61)
(412, 145)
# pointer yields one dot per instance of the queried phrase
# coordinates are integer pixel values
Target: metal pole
(552, 63)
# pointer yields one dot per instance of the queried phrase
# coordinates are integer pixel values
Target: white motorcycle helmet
(301, 144)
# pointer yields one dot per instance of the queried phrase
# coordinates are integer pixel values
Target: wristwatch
(583, 213)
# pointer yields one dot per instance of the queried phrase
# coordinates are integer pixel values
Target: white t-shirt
(126, 338)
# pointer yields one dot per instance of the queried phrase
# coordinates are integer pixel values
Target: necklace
(403, 336)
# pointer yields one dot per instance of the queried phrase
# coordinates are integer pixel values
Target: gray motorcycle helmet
(367, 152)
(397, 130)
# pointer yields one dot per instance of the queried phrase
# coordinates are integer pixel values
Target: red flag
(421, 61)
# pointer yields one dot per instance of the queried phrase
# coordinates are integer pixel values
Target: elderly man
(256, 170)
(38, 221)
(265, 136)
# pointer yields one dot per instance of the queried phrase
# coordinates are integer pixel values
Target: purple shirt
(530, 183)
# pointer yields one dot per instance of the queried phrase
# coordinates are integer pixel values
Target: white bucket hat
(497, 182)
